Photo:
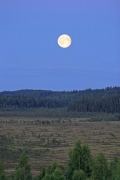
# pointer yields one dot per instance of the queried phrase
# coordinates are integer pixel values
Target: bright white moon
(64, 41)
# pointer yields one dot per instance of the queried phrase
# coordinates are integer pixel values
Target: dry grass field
(49, 139)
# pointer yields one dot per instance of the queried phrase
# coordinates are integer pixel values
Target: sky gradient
(30, 57)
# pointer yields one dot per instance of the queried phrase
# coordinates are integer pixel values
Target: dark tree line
(29, 102)
(81, 166)
(99, 100)
(108, 104)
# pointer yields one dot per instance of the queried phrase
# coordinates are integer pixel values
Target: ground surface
(49, 139)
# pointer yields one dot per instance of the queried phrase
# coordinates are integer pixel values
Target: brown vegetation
(49, 139)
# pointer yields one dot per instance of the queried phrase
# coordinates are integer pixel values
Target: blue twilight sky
(30, 57)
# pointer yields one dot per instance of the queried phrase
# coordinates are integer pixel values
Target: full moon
(64, 41)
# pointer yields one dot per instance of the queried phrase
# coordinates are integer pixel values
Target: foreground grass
(49, 139)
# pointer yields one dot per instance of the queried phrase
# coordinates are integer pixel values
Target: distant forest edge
(99, 100)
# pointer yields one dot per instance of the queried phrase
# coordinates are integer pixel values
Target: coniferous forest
(100, 100)
(42, 125)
